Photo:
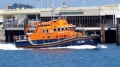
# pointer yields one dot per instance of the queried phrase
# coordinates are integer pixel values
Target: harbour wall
(2, 35)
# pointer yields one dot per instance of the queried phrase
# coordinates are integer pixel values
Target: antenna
(62, 2)
(84, 3)
(48, 4)
(114, 23)
(38, 3)
(61, 5)
(41, 4)
(52, 11)
(99, 14)
(40, 9)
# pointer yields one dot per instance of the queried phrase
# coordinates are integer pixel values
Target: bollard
(118, 34)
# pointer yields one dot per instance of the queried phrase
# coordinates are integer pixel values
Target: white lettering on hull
(82, 41)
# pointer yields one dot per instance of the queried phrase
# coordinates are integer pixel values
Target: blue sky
(5, 3)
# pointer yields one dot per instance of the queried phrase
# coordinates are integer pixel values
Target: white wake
(11, 46)
(80, 47)
(8, 46)
(101, 46)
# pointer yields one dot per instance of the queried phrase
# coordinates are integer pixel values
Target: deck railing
(20, 37)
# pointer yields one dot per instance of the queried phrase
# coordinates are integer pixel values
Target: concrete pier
(102, 33)
(2, 34)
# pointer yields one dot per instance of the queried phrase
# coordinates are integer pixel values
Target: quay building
(80, 16)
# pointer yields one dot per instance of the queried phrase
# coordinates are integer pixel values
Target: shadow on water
(52, 50)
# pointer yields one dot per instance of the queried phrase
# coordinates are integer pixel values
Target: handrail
(20, 37)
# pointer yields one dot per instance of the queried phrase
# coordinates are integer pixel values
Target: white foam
(9, 46)
(101, 46)
(80, 47)
(5, 46)
(75, 47)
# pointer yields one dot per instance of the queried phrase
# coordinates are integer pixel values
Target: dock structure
(2, 35)
(118, 32)
(13, 30)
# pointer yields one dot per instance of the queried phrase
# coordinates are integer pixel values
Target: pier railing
(13, 27)
(21, 26)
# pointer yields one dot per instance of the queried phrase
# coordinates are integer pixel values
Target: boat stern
(21, 41)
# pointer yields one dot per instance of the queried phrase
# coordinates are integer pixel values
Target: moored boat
(54, 33)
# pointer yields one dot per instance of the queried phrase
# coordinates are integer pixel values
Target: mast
(40, 9)
(53, 10)
(83, 3)
(41, 5)
(48, 4)
(113, 14)
(38, 3)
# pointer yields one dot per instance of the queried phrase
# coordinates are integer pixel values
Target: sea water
(104, 55)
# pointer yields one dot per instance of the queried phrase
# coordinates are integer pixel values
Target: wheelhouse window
(31, 29)
(46, 30)
(62, 29)
(55, 29)
(74, 28)
(43, 31)
(70, 28)
(58, 29)
(66, 28)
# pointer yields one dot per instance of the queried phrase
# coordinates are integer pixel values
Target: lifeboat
(54, 33)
